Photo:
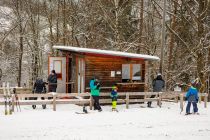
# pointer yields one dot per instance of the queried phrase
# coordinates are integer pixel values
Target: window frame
(131, 74)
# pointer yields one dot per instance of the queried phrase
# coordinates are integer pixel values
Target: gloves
(196, 100)
(98, 85)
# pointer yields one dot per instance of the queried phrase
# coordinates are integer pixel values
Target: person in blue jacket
(95, 93)
(192, 98)
(114, 97)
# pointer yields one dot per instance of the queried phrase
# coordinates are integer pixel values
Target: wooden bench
(19, 90)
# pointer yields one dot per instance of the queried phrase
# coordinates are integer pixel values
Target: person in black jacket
(158, 84)
(40, 88)
(52, 81)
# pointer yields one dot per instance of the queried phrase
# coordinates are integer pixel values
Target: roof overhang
(106, 52)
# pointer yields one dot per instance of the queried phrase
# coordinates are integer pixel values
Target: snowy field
(135, 123)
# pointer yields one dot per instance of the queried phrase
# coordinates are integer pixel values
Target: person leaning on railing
(158, 84)
(40, 88)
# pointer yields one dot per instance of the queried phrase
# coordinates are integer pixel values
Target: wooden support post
(176, 99)
(200, 98)
(181, 101)
(54, 102)
(145, 96)
(13, 102)
(91, 102)
(127, 100)
(159, 99)
(205, 100)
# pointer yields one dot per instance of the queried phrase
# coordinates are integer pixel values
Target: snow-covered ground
(135, 123)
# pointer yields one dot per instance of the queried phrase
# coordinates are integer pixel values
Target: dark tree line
(123, 25)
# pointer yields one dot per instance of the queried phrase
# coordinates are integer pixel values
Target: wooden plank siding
(101, 68)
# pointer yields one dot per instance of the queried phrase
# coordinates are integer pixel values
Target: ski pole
(17, 100)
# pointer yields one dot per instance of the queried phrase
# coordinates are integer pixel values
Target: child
(114, 97)
(192, 97)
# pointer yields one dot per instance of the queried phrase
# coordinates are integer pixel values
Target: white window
(131, 72)
(136, 74)
(126, 71)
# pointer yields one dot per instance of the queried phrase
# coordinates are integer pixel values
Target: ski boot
(85, 110)
(34, 106)
(44, 106)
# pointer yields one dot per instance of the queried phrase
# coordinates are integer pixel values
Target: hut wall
(101, 68)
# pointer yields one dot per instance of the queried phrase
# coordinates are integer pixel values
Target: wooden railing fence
(86, 99)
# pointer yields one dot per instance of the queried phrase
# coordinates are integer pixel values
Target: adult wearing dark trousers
(158, 84)
(95, 93)
(52, 81)
(39, 87)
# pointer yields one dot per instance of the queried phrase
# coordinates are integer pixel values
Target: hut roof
(106, 52)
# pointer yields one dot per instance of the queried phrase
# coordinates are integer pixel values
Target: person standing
(158, 84)
(52, 81)
(192, 98)
(114, 97)
(95, 93)
(40, 88)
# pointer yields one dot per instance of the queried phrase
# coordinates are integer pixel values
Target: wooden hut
(76, 66)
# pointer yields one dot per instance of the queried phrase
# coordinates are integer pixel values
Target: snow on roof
(106, 52)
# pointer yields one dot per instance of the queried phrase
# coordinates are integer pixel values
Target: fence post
(205, 100)
(176, 98)
(200, 98)
(91, 102)
(181, 101)
(127, 100)
(13, 102)
(159, 100)
(54, 102)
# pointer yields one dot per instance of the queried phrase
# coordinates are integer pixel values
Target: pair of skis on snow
(7, 99)
(84, 111)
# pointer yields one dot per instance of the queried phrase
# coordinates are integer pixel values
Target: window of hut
(131, 72)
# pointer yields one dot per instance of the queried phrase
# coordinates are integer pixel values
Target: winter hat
(53, 71)
(159, 74)
(193, 83)
(114, 87)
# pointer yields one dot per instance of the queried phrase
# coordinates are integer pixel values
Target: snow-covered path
(134, 123)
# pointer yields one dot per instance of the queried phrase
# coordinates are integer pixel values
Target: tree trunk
(19, 9)
(141, 20)
(200, 56)
(171, 44)
(64, 21)
(117, 35)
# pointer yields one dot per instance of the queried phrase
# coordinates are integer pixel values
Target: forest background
(29, 29)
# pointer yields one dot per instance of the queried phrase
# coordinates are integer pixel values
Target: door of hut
(59, 65)
(81, 76)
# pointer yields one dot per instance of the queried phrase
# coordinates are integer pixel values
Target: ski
(16, 100)
(84, 111)
(114, 110)
(9, 100)
(81, 113)
(191, 114)
(5, 99)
